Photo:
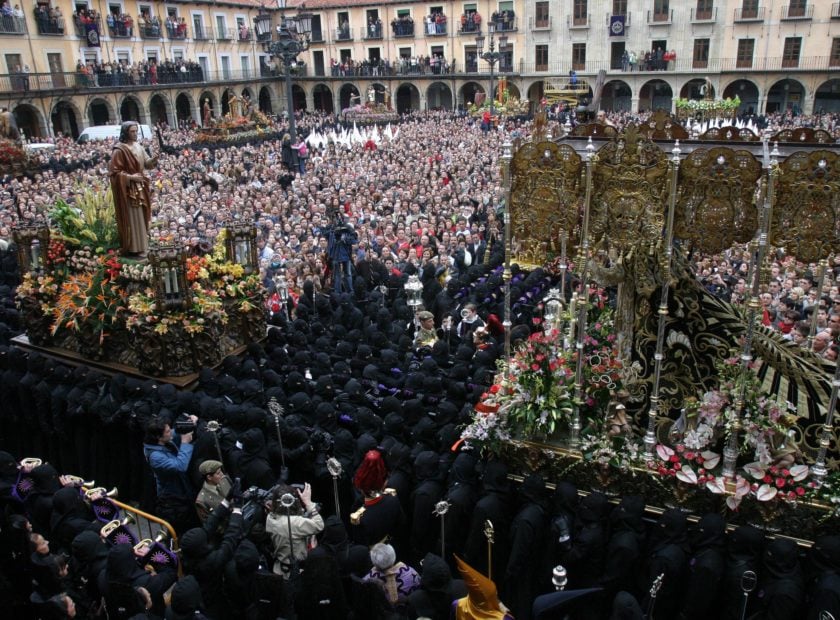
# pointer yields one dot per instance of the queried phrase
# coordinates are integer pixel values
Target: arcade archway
(348, 95)
(265, 100)
(616, 97)
(158, 110)
(99, 112)
(827, 97)
(439, 97)
(468, 92)
(30, 121)
(130, 110)
(408, 98)
(322, 98)
(747, 92)
(785, 95)
(697, 88)
(183, 107)
(656, 95)
(65, 119)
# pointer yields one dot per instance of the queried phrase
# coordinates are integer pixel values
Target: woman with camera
(293, 517)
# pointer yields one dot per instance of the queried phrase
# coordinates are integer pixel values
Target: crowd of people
(373, 398)
(146, 72)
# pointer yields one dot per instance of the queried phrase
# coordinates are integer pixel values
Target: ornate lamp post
(292, 40)
(491, 56)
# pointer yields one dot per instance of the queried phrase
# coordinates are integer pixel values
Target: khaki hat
(425, 314)
(209, 467)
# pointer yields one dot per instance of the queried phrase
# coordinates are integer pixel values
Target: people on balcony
(402, 26)
(49, 20)
(244, 32)
(120, 24)
(440, 23)
(471, 22)
(504, 20)
(176, 27)
(374, 28)
(344, 31)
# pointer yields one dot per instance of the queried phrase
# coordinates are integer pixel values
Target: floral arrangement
(697, 105)
(538, 397)
(620, 451)
(11, 153)
(828, 491)
(89, 220)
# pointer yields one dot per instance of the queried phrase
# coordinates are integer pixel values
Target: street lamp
(491, 56)
(292, 40)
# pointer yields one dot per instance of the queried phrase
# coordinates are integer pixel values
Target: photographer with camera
(168, 453)
(206, 560)
(342, 237)
(293, 517)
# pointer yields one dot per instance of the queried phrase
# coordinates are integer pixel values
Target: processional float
(627, 209)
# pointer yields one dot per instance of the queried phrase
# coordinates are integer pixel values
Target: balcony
(660, 18)
(469, 24)
(505, 21)
(835, 10)
(793, 13)
(226, 34)
(578, 23)
(436, 28)
(705, 16)
(402, 28)
(9, 24)
(244, 35)
(539, 24)
(49, 24)
(120, 28)
(202, 33)
(343, 34)
(84, 24)
(176, 31)
(755, 14)
(372, 32)
(149, 29)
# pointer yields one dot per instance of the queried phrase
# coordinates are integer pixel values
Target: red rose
(674, 458)
(780, 482)
(800, 491)
(767, 478)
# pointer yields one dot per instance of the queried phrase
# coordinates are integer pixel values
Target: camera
(184, 425)
(254, 499)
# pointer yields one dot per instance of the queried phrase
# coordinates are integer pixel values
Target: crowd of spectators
(384, 67)
(356, 387)
(139, 73)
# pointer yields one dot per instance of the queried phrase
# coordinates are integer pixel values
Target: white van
(106, 132)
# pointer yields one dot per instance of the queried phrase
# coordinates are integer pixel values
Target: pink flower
(800, 491)
(780, 482)
(535, 366)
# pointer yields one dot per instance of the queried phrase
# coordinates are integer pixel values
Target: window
(579, 56)
(746, 47)
(198, 28)
(793, 47)
(579, 11)
(343, 32)
(704, 9)
(749, 9)
(403, 12)
(54, 61)
(619, 7)
(177, 53)
(404, 52)
(541, 58)
(661, 12)
(834, 59)
(701, 54)
(13, 63)
(151, 55)
(345, 54)
(171, 12)
(225, 61)
(245, 65)
(221, 28)
(797, 8)
(204, 63)
(541, 15)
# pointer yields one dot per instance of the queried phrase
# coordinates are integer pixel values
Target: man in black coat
(496, 506)
(705, 568)
(625, 546)
(824, 587)
(527, 535)
(743, 554)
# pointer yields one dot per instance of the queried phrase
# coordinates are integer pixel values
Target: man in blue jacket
(168, 455)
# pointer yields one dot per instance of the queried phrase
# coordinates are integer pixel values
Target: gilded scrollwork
(546, 197)
(806, 213)
(716, 201)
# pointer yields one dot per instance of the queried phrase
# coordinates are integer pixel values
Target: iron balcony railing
(9, 24)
